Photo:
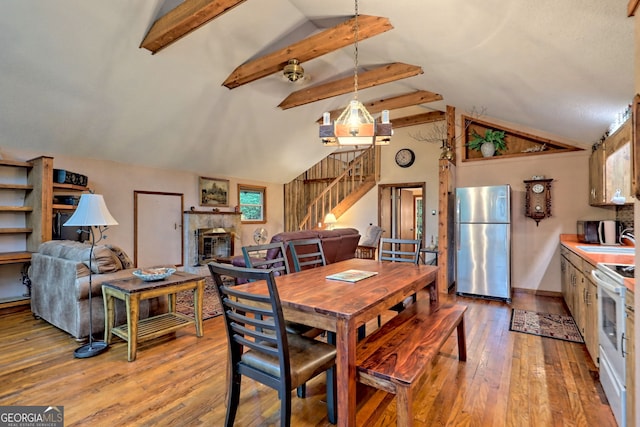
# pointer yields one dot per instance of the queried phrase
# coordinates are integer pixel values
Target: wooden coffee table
(132, 290)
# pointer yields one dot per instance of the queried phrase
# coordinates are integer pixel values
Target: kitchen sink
(612, 250)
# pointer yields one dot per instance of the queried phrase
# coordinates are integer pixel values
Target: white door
(158, 228)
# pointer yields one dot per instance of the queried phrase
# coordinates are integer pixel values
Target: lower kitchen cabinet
(590, 311)
(580, 292)
(630, 358)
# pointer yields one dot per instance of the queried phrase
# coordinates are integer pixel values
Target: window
(253, 204)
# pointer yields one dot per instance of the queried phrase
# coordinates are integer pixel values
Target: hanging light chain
(355, 69)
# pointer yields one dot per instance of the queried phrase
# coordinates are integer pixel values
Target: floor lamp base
(90, 350)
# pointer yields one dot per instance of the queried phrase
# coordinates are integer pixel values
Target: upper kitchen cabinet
(597, 191)
(618, 169)
(611, 168)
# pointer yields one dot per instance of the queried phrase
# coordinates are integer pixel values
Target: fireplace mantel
(194, 212)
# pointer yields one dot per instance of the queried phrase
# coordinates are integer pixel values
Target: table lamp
(93, 213)
(330, 221)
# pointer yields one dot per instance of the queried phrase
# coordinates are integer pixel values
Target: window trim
(255, 188)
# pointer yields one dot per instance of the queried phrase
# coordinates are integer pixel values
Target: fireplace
(213, 243)
(208, 236)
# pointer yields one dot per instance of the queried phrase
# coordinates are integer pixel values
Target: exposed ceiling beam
(185, 18)
(401, 101)
(418, 119)
(384, 74)
(312, 47)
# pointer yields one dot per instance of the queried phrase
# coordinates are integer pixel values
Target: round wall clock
(405, 157)
(538, 188)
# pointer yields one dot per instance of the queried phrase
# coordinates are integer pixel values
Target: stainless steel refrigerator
(483, 241)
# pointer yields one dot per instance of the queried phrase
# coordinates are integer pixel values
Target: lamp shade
(330, 219)
(91, 211)
(355, 126)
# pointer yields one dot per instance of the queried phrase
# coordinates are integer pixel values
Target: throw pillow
(372, 236)
(104, 261)
(122, 256)
(81, 270)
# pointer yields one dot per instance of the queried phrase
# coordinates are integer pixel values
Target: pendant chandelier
(355, 126)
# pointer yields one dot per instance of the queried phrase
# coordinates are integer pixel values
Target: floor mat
(545, 325)
(210, 304)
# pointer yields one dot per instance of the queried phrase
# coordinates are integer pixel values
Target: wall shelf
(14, 301)
(16, 209)
(59, 207)
(14, 257)
(15, 230)
(57, 187)
(16, 163)
(25, 187)
(519, 143)
(38, 209)
(27, 209)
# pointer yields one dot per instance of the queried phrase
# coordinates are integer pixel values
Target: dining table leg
(346, 334)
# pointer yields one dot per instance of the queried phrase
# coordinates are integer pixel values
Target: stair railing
(360, 169)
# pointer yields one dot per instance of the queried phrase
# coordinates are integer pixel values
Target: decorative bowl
(154, 273)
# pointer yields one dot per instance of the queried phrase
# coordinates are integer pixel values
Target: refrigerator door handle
(502, 204)
(458, 224)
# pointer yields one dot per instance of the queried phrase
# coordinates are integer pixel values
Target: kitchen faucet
(627, 233)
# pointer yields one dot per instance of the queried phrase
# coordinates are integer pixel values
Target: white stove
(611, 333)
(618, 272)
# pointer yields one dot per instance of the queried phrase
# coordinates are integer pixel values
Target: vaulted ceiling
(79, 78)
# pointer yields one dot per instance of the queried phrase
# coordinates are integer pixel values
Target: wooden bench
(397, 356)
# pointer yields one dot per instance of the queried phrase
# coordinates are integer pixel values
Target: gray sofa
(59, 276)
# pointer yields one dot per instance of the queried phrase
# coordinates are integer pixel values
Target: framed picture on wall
(213, 192)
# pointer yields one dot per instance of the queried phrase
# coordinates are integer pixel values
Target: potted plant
(492, 142)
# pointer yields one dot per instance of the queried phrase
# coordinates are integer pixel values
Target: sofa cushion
(330, 246)
(105, 260)
(287, 236)
(65, 249)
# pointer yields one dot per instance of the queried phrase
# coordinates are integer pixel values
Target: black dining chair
(272, 256)
(261, 349)
(254, 257)
(399, 250)
(307, 253)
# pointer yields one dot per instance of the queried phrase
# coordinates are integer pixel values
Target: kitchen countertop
(571, 242)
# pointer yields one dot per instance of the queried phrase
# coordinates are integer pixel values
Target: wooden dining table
(308, 297)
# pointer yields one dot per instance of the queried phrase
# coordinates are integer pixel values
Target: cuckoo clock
(537, 199)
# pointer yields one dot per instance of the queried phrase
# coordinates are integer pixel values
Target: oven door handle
(601, 281)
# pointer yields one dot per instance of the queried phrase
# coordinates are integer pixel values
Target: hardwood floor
(509, 379)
